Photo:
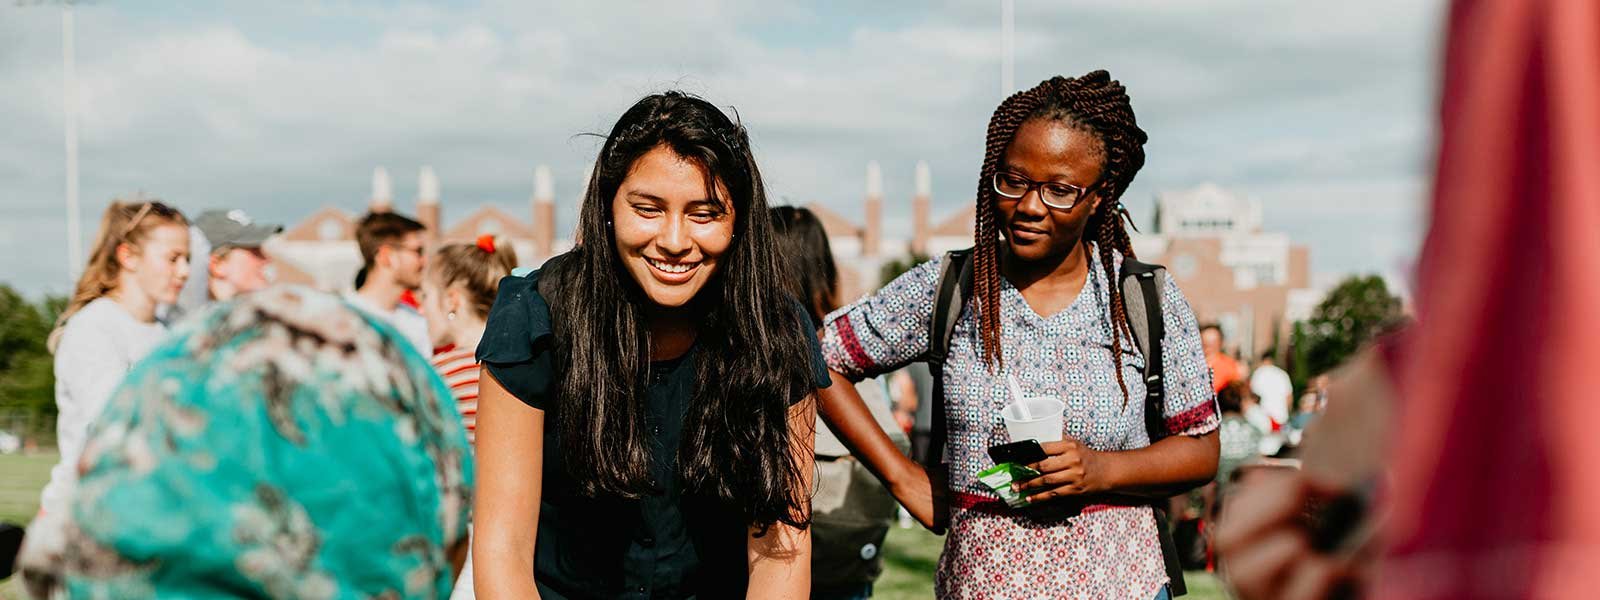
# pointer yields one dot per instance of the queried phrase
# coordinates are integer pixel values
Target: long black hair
(751, 358)
(808, 257)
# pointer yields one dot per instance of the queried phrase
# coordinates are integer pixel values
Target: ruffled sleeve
(1191, 405)
(516, 341)
(886, 330)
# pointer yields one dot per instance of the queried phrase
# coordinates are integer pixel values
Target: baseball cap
(233, 229)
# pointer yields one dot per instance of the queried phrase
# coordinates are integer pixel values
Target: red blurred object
(486, 243)
(1494, 453)
(1224, 370)
(410, 299)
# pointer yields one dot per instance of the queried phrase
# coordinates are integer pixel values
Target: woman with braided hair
(645, 411)
(1046, 308)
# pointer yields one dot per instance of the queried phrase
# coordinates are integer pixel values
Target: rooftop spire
(382, 190)
(544, 189)
(427, 186)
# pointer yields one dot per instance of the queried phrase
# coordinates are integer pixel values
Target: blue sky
(1323, 113)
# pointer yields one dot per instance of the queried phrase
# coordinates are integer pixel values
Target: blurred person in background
(1271, 439)
(1240, 441)
(1272, 388)
(393, 257)
(234, 260)
(458, 289)
(457, 292)
(236, 263)
(1046, 306)
(1476, 423)
(646, 423)
(1224, 368)
(139, 261)
(280, 445)
(850, 511)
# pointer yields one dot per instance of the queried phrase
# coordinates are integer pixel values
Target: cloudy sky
(1322, 111)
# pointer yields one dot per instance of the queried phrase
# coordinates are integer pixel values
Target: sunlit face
(668, 234)
(1046, 150)
(159, 264)
(242, 269)
(406, 260)
(436, 308)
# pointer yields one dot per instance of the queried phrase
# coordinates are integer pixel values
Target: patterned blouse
(281, 445)
(1061, 549)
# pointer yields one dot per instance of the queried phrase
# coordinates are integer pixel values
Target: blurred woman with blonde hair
(457, 291)
(139, 262)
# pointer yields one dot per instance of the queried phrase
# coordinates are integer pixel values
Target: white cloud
(287, 107)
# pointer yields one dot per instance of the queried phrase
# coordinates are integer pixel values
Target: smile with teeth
(672, 267)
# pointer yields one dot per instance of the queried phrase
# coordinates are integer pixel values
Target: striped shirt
(460, 371)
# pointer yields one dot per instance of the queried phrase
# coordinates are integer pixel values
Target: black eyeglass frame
(1046, 196)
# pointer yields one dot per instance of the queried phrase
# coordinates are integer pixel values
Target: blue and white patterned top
(1097, 551)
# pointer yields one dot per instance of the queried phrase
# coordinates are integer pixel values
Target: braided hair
(1094, 104)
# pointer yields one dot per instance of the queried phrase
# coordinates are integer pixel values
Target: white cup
(1044, 422)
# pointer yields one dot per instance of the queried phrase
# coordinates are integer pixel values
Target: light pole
(70, 110)
(1008, 48)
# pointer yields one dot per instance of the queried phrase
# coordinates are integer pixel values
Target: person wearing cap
(237, 265)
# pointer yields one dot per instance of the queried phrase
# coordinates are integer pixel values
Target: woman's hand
(1166, 468)
(1266, 543)
(1070, 469)
(923, 496)
(844, 411)
(1264, 537)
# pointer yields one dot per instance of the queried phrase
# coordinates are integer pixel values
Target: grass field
(909, 556)
(21, 478)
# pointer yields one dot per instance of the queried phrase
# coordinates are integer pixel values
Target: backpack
(851, 512)
(1141, 296)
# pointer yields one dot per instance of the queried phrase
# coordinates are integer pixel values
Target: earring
(608, 223)
(450, 316)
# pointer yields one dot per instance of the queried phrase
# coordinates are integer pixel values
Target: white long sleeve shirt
(98, 346)
(1272, 385)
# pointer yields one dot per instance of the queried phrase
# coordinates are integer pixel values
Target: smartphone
(1025, 452)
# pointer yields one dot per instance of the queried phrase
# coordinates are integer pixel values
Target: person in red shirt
(1224, 369)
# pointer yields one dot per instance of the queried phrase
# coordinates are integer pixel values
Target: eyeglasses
(418, 250)
(1054, 194)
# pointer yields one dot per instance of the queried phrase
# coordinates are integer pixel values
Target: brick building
(1252, 282)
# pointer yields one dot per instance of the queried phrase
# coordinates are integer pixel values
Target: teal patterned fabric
(280, 446)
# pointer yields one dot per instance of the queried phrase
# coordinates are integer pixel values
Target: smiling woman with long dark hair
(645, 420)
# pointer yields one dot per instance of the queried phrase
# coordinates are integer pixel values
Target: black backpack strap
(1141, 296)
(1142, 284)
(955, 286)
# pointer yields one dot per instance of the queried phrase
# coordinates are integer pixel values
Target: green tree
(1351, 315)
(27, 377)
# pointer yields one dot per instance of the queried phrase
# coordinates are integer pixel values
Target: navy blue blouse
(668, 544)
